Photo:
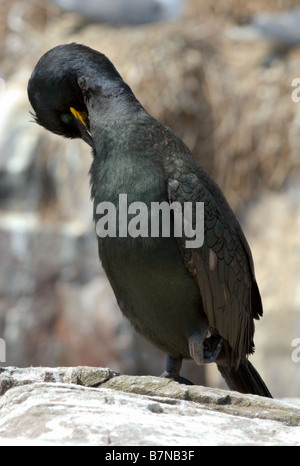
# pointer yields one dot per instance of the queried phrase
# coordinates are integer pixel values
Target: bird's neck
(111, 116)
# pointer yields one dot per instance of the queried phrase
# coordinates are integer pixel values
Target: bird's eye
(67, 118)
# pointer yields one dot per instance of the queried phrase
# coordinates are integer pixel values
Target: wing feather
(223, 265)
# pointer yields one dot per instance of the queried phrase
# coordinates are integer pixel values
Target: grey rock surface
(125, 11)
(96, 406)
(56, 306)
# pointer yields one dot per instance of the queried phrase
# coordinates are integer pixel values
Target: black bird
(190, 302)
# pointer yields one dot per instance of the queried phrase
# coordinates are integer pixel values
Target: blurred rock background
(228, 95)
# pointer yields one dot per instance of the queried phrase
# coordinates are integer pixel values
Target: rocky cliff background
(229, 97)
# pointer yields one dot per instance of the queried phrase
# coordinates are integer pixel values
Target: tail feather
(245, 379)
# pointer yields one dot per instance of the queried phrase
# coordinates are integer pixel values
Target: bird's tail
(245, 379)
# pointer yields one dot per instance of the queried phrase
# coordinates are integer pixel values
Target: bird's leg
(204, 347)
(196, 339)
(173, 367)
(212, 348)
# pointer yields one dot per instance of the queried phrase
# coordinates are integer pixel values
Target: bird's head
(62, 84)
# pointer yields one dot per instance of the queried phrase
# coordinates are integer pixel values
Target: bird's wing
(222, 266)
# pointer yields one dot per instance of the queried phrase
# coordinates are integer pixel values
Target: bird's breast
(140, 254)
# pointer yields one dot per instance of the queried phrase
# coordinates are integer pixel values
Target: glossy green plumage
(197, 303)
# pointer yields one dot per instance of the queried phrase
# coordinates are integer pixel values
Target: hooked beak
(82, 120)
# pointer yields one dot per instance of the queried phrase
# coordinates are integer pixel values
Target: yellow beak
(81, 116)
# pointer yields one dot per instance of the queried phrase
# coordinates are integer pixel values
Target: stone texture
(88, 376)
(96, 406)
(237, 116)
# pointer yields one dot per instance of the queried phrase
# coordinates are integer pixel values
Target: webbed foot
(204, 347)
(172, 371)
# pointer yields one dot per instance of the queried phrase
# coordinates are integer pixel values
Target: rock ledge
(96, 406)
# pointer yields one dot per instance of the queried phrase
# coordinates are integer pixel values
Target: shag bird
(192, 302)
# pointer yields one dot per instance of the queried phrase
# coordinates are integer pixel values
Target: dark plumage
(194, 303)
